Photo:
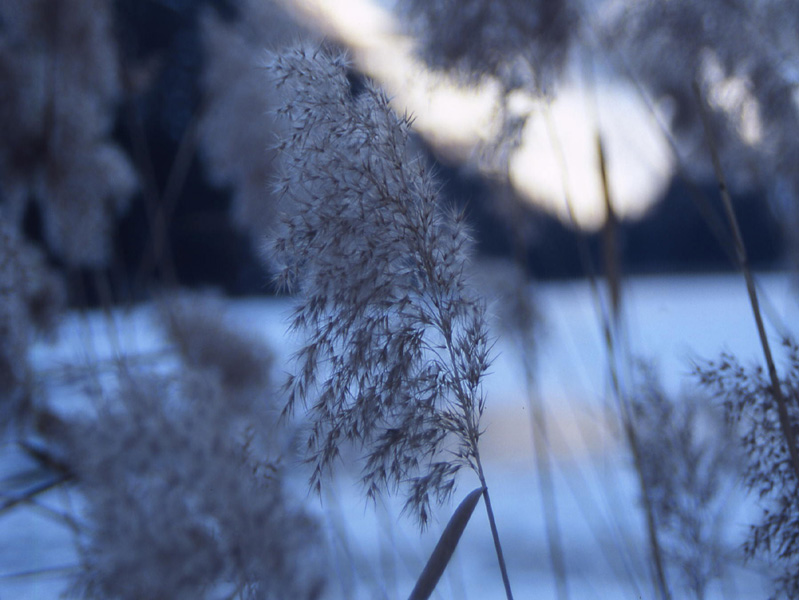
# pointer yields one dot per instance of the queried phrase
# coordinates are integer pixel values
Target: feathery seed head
(751, 406)
(396, 343)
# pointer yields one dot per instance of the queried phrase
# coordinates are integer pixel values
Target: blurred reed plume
(750, 401)
(178, 501)
(692, 464)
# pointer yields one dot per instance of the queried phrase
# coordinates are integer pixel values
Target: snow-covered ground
(378, 554)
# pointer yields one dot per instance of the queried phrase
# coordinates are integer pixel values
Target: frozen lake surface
(378, 554)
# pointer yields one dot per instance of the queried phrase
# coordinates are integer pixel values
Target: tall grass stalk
(788, 431)
(503, 568)
(614, 334)
(522, 325)
(519, 321)
(611, 329)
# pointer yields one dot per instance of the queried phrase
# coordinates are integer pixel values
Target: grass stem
(494, 532)
(611, 329)
(743, 264)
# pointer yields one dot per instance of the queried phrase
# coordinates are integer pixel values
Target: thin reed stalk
(613, 277)
(524, 334)
(541, 449)
(494, 532)
(743, 264)
(611, 330)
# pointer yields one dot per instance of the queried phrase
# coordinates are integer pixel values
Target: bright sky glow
(452, 118)
(734, 96)
(455, 119)
(562, 136)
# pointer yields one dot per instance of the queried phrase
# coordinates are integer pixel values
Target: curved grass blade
(445, 547)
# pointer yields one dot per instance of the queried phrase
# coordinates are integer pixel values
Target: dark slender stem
(538, 421)
(743, 264)
(494, 533)
(612, 330)
(614, 337)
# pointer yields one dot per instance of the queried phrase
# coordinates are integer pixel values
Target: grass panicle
(751, 403)
(396, 341)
